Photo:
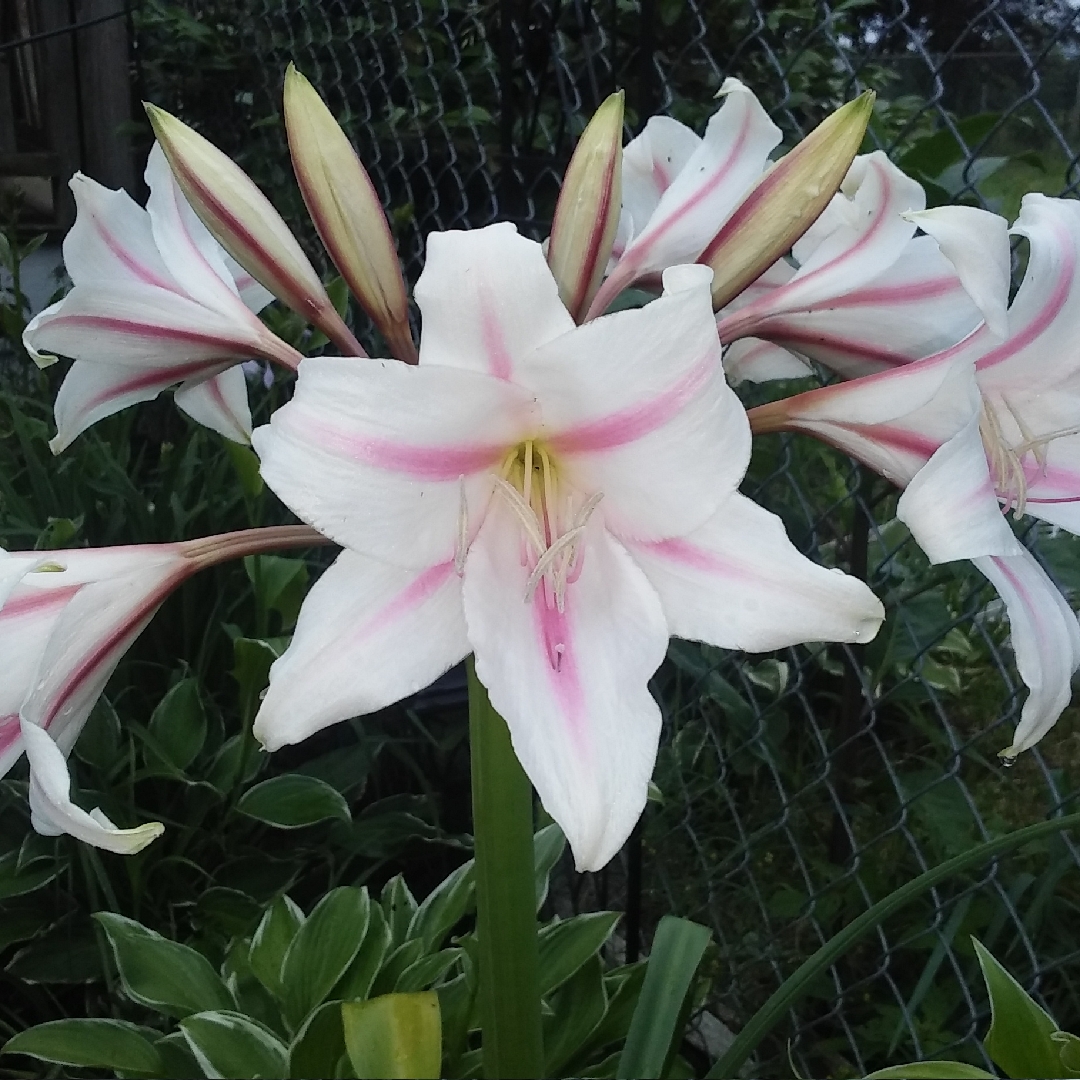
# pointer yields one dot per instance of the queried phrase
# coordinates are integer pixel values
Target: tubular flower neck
(552, 516)
(1008, 470)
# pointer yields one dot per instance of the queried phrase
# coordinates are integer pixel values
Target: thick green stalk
(505, 897)
(800, 981)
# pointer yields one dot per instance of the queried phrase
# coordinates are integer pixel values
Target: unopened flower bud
(245, 223)
(347, 212)
(587, 213)
(786, 201)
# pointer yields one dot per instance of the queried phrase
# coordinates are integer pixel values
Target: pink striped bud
(786, 201)
(245, 223)
(587, 213)
(347, 212)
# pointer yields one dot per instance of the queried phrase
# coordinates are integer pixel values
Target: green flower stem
(803, 978)
(505, 897)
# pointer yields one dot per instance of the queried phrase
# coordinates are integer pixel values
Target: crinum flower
(558, 500)
(156, 303)
(990, 423)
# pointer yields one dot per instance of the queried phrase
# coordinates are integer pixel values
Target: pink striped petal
(52, 811)
(729, 160)
(893, 422)
(91, 391)
(635, 406)
(219, 403)
(487, 299)
(143, 326)
(37, 614)
(1045, 641)
(950, 505)
(572, 686)
(93, 631)
(976, 242)
(369, 634)
(377, 454)
(1041, 349)
(739, 583)
(651, 163)
(111, 240)
(915, 308)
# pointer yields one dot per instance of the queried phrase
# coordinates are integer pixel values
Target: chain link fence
(793, 789)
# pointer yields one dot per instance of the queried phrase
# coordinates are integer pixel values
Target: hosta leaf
(162, 974)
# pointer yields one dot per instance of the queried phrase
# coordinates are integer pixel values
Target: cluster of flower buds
(550, 487)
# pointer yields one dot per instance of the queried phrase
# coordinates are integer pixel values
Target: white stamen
(524, 512)
(1007, 462)
(461, 547)
(547, 558)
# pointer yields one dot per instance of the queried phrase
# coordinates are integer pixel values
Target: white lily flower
(678, 189)
(66, 619)
(867, 295)
(990, 423)
(156, 303)
(557, 500)
(63, 629)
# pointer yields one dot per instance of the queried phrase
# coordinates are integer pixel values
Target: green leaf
(90, 1044)
(356, 983)
(931, 1070)
(22, 925)
(394, 1036)
(427, 971)
(228, 911)
(623, 989)
(280, 583)
(246, 463)
(162, 974)
(322, 950)
(1069, 1047)
(252, 658)
(404, 956)
(176, 1055)
(399, 906)
(656, 1027)
(69, 953)
(271, 942)
(578, 1006)
(548, 846)
(293, 801)
(1019, 1040)
(450, 901)
(13, 883)
(178, 724)
(566, 944)
(319, 1045)
(229, 1044)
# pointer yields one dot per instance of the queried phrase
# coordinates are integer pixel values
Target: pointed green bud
(786, 201)
(347, 212)
(587, 213)
(244, 222)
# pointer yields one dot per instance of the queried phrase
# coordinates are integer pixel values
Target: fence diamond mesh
(792, 789)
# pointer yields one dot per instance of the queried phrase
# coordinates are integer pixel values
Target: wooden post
(7, 107)
(105, 93)
(60, 103)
